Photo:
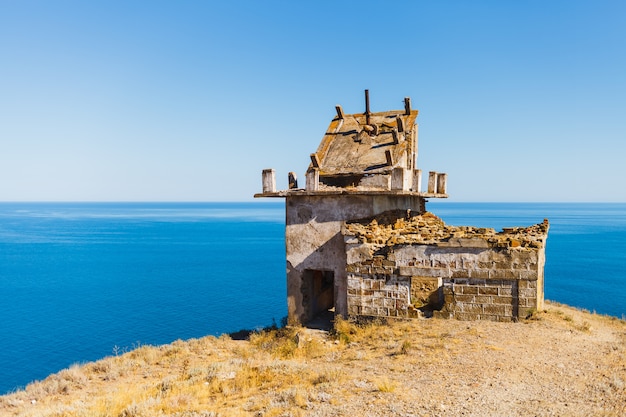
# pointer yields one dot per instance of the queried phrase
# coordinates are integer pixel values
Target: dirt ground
(560, 362)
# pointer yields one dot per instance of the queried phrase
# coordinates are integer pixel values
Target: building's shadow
(323, 321)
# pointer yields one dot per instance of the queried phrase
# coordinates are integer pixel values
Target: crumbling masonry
(360, 242)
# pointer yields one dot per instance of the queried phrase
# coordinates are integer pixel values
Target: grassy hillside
(561, 361)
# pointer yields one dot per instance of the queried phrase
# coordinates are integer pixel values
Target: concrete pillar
(417, 180)
(269, 181)
(442, 180)
(312, 180)
(399, 179)
(432, 182)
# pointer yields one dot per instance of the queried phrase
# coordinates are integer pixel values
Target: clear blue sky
(190, 100)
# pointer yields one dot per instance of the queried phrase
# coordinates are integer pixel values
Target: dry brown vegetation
(560, 361)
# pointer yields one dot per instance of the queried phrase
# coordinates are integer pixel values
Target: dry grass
(564, 360)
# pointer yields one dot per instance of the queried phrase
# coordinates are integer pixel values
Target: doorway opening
(318, 292)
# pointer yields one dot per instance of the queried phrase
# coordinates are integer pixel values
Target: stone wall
(314, 243)
(401, 265)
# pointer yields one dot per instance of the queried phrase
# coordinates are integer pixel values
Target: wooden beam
(339, 111)
(400, 124)
(396, 136)
(315, 160)
(407, 106)
(389, 157)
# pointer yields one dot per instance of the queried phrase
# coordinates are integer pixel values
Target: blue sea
(80, 281)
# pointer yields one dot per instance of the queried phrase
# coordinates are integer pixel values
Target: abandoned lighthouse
(360, 242)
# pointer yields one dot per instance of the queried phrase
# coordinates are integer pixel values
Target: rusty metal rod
(367, 107)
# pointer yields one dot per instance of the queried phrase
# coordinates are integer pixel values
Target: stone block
(487, 290)
(474, 281)
(378, 302)
(479, 273)
(523, 257)
(443, 315)
(527, 284)
(413, 313)
(467, 289)
(390, 271)
(354, 282)
(530, 275)
(389, 302)
(449, 300)
(463, 298)
(466, 316)
(469, 242)
(527, 292)
(369, 311)
(483, 299)
(505, 291)
(401, 304)
(502, 299)
(498, 310)
(528, 302)
(459, 273)
(424, 272)
(469, 308)
(425, 291)
(502, 274)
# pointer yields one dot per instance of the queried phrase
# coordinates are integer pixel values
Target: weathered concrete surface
(314, 241)
(398, 263)
(351, 145)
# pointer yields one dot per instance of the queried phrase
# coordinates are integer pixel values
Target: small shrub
(329, 376)
(533, 314)
(585, 326)
(385, 385)
(344, 329)
(279, 342)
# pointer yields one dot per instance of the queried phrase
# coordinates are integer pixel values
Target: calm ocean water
(80, 281)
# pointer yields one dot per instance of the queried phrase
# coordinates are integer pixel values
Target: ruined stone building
(360, 241)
